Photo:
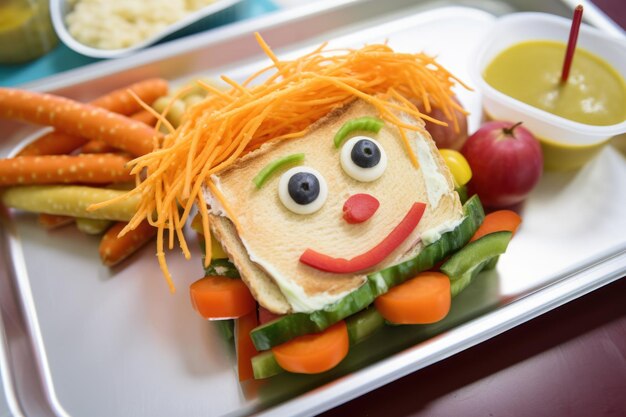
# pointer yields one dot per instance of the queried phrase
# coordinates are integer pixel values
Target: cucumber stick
(289, 326)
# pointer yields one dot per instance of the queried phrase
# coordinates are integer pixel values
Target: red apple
(506, 162)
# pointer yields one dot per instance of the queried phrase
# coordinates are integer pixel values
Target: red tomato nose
(359, 207)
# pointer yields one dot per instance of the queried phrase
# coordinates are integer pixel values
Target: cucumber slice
(226, 328)
(477, 252)
(264, 365)
(363, 324)
(360, 327)
(292, 325)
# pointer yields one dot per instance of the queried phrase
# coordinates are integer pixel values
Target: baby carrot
(52, 221)
(63, 169)
(99, 146)
(70, 200)
(120, 101)
(52, 143)
(144, 116)
(114, 249)
(96, 146)
(78, 119)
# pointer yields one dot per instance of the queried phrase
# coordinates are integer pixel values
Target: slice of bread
(267, 248)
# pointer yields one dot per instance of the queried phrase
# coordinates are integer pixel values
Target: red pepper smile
(371, 257)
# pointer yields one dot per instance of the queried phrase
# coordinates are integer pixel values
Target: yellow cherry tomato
(458, 166)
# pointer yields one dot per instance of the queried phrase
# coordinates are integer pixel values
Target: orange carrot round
(244, 346)
(217, 297)
(314, 353)
(420, 300)
(78, 119)
(114, 249)
(64, 169)
(498, 221)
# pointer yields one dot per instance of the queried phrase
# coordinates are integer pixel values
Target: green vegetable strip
(70, 200)
(474, 253)
(272, 167)
(92, 226)
(366, 123)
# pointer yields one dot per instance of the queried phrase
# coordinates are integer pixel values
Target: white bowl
(549, 128)
(60, 8)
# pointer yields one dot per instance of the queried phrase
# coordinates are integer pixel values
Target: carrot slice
(420, 300)
(498, 221)
(314, 353)
(245, 347)
(216, 297)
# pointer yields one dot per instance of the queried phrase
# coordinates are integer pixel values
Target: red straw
(571, 43)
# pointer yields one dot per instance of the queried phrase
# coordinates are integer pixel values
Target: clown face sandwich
(329, 199)
(299, 212)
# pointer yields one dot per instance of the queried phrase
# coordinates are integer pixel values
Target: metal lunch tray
(115, 342)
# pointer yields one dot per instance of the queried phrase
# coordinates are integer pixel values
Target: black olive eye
(302, 190)
(365, 153)
(303, 187)
(363, 158)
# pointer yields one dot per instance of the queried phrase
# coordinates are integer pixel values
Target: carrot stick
(52, 143)
(498, 221)
(70, 200)
(77, 119)
(120, 100)
(114, 249)
(63, 169)
(52, 221)
(420, 300)
(244, 345)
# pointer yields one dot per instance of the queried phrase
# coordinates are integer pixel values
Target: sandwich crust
(267, 248)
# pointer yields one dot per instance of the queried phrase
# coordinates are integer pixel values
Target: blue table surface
(62, 58)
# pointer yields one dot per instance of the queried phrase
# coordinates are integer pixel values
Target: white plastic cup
(566, 144)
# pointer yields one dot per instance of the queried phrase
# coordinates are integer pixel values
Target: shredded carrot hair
(228, 124)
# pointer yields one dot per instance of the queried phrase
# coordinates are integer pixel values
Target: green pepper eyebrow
(368, 123)
(274, 166)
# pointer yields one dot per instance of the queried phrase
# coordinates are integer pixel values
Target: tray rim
(6, 377)
(580, 282)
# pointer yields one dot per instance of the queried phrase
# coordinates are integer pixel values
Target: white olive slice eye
(302, 190)
(363, 159)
